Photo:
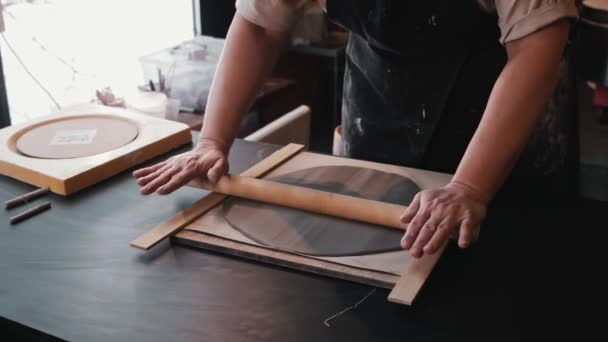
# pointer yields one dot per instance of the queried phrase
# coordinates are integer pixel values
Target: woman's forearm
(249, 55)
(515, 105)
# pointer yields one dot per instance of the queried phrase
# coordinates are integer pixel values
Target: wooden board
(66, 176)
(293, 127)
(211, 231)
(184, 217)
(596, 4)
(295, 261)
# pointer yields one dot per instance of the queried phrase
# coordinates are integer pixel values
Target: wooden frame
(67, 176)
(192, 231)
(293, 127)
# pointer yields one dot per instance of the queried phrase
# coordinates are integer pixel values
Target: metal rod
(25, 198)
(30, 212)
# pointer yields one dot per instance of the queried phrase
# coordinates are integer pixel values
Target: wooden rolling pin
(316, 201)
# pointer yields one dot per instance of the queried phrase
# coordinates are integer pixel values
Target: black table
(70, 273)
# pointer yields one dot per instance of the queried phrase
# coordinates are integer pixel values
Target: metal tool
(30, 212)
(23, 199)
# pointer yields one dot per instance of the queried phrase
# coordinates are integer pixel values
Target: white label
(74, 137)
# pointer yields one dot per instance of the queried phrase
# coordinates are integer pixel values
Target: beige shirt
(517, 18)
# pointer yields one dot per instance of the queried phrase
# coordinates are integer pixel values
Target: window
(56, 53)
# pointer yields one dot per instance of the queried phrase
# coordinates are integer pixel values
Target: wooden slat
(293, 127)
(413, 278)
(188, 215)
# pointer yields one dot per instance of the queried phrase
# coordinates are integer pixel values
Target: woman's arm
(249, 55)
(514, 108)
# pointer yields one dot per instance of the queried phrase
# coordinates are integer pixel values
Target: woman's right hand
(207, 160)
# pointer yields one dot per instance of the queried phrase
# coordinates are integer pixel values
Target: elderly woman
(451, 86)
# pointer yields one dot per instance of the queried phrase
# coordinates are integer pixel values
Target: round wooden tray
(75, 136)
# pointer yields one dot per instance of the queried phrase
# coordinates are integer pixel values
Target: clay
(319, 235)
(77, 137)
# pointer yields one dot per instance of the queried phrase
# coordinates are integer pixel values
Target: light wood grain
(67, 176)
(214, 223)
(311, 200)
(184, 217)
(293, 127)
(597, 4)
(214, 234)
(413, 278)
(338, 145)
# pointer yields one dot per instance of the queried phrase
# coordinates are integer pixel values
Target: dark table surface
(69, 273)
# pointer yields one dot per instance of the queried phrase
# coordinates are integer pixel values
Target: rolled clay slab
(307, 233)
(76, 137)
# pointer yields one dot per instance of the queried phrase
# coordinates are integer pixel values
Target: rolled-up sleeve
(519, 18)
(277, 15)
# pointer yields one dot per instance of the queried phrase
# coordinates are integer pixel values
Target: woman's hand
(208, 160)
(435, 215)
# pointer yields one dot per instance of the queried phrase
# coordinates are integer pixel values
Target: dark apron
(418, 76)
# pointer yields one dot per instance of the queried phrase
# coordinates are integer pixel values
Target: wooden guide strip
(184, 217)
(317, 201)
(413, 278)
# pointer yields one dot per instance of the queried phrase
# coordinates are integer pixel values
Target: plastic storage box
(184, 71)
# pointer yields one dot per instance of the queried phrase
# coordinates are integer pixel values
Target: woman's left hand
(434, 215)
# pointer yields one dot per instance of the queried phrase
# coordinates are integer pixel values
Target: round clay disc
(303, 232)
(75, 137)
